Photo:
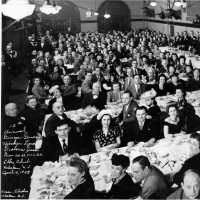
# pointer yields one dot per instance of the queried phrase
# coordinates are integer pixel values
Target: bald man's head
(58, 108)
(11, 110)
(191, 184)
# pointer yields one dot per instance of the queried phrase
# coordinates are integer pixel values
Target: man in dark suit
(143, 129)
(44, 45)
(153, 182)
(61, 144)
(127, 116)
(94, 98)
(58, 115)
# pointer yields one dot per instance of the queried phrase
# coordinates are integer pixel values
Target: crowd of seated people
(68, 72)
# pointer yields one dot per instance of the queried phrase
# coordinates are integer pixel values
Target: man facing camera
(190, 186)
(143, 129)
(61, 144)
(153, 182)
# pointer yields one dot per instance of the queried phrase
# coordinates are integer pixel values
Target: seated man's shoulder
(176, 195)
(156, 175)
(51, 117)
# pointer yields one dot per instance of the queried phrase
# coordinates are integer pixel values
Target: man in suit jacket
(134, 85)
(86, 86)
(153, 182)
(94, 98)
(44, 45)
(62, 143)
(143, 129)
(127, 116)
(190, 186)
(58, 115)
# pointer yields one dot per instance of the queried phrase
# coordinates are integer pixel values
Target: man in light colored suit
(86, 86)
(134, 85)
(153, 182)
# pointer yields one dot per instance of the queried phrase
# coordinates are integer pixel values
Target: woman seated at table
(108, 137)
(123, 186)
(187, 111)
(161, 87)
(57, 97)
(173, 123)
(39, 91)
(153, 110)
(194, 84)
(79, 179)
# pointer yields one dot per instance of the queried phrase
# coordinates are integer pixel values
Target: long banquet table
(50, 180)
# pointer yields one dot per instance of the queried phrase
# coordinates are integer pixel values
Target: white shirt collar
(61, 141)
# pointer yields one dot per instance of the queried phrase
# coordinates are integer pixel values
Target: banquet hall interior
(100, 99)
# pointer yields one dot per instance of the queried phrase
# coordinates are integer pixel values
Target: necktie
(129, 82)
(65, 149)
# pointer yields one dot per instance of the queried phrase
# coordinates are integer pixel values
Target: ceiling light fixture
(181, 3)
(48, 9)
(96, 13)
(107, 16)
(17, 10)
(153, 3)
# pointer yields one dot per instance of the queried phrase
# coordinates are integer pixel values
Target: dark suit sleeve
(148, 191)
(178, 176)
(131, 114)
(48, 151)
(49, 127)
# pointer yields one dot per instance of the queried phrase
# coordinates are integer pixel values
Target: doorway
(120, 16)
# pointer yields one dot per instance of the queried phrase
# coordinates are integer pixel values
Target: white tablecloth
(50, 180)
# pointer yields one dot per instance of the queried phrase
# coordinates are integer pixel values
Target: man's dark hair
(61, 123)
(141, 108)
(128, 92)
(142, 160)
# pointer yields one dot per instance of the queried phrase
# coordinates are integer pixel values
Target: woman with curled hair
(79, 179)
(173, 124)
(108, 136)
(161, 87)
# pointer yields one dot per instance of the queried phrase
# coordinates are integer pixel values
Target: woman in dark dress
(79, 179)
(108, 136)
(123, 186)
(33, 115)
(173, 123)
(161, 88)
(187, 111)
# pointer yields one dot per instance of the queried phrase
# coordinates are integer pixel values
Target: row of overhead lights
(177, 3)
(90, 13)
(23, 8)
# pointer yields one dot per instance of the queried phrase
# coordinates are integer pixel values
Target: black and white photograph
(100, 99)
